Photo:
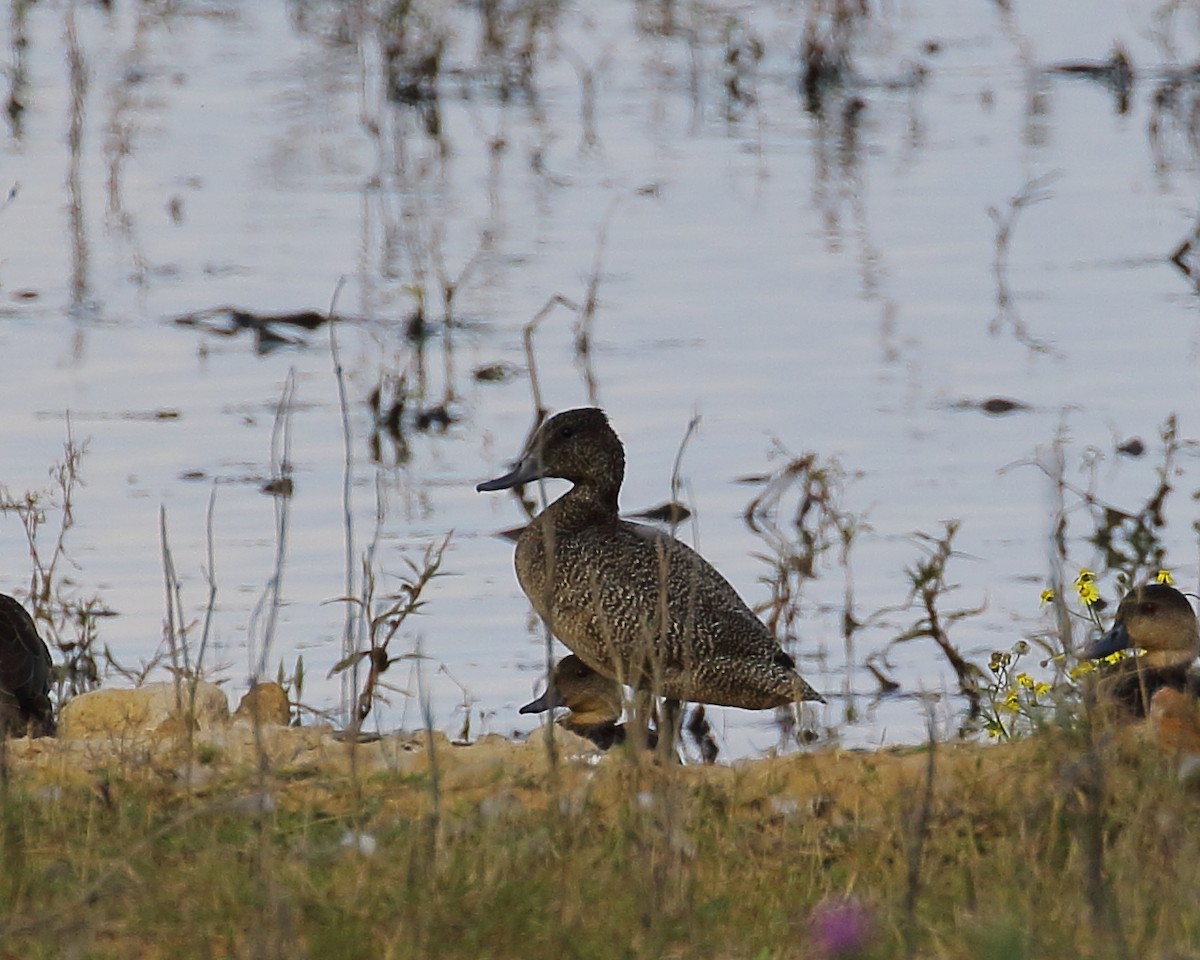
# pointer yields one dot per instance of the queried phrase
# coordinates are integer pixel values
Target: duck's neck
(584, 505)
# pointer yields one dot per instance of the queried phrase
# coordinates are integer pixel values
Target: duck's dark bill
(525, 472)
(1116, 639)
(547, 701)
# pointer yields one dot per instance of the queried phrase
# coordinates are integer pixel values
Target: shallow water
(826, 280)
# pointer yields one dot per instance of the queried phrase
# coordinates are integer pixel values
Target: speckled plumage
(632, 602)
(1159, 620)
(24, 674)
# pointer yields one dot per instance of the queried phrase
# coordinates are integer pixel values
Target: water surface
(821, 280)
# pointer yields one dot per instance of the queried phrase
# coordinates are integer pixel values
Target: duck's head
(592, 698)
(1156, 618)
(576, 445)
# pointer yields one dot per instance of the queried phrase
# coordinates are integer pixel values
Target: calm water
(825, 280)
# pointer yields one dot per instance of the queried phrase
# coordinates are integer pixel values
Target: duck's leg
(668, 731)
(643, 711)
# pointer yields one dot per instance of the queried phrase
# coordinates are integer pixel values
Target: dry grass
(621, 859)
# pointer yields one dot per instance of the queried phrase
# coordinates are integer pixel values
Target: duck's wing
(707, 616)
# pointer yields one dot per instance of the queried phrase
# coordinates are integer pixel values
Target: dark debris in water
(1133, 447)
(1116, 73)
(992, 406)
(437, 418)
(496, 372)
(668, 512)
(270, 330)
(416, 327)
(279, 487)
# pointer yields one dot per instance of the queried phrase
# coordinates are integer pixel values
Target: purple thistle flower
(841, 928)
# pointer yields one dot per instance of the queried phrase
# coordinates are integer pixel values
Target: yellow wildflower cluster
(1085, 585)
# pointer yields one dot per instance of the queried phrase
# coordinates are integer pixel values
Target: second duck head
(595, 702)
(1159, 620)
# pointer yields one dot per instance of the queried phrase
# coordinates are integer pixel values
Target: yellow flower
(1085, 576)
(1041, 689)
(1081, 669)
(1164, 576)
(1088, 594)
(1047, 596)
(1025, 680)
(1114, 657)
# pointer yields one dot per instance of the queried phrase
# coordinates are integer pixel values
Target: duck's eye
(566, 433)
(1147, 608)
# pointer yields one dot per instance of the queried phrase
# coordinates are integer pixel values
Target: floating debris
(1133, 447)
(1116, 73)
(993, 406)
(416, 327)
(669, 512)
(230, 321)
(279, 487)
(501, 372)
(434, 418)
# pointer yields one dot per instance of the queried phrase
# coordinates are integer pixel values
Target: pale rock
(152, 708)
(265, 703)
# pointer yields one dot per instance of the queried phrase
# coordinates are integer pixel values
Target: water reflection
(18, 71)
(76, 224)
(522, 189)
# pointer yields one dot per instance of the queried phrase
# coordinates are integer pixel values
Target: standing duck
(632, 602)
(594, 701)
(1158, 619)
(24, 674)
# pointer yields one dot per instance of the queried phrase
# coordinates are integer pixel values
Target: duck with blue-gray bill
(631, 601)
(1158, 620)
(593, 701)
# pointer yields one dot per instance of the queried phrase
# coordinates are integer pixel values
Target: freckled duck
(1158, 619)
(24, 674)
(632, 602)
(594, 701)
